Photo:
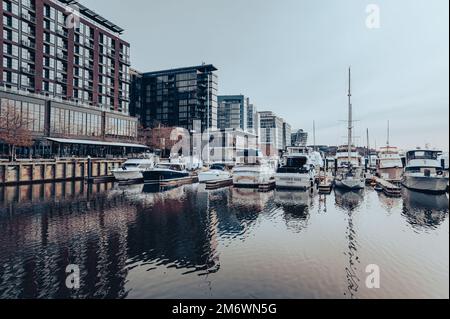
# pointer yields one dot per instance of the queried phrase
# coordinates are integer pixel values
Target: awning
(98, 143)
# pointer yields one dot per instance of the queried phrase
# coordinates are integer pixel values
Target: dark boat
(165, 172)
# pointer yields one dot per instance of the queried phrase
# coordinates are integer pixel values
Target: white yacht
(389, 164)
(298, 172)
(424, 172)
(165, 172)
(132, 169)
(350, 174)
(217, 172)
(256, 170)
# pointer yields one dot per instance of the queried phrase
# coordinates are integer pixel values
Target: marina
(218, 151)
(141, 241)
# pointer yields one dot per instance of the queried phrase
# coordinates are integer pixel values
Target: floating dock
(219, 184)
(389, 189)
(179, 182)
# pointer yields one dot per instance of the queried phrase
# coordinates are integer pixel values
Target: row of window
(32, 115)
(120, 127)
(75, 123)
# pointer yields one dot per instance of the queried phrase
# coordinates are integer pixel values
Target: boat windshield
(130, 165)
(172, 167)
(432, 155)
(218, 167)
(297, 162)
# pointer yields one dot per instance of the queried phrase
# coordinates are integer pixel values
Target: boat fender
(440, 173)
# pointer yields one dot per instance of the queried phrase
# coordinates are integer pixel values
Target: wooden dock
(389, 189)
(219, 184)
(180, 182)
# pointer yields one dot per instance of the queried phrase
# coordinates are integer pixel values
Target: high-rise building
(271, 133)
(63, 49)
(299, 138)
(252, 119)
(287, 135)
(177, 97)
(67, 68)
(232, 112)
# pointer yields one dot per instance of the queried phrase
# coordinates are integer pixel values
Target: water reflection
(134, 237)
(296, 206)
(424, 211)
(350, 202)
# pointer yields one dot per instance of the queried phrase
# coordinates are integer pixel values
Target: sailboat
(350, 174)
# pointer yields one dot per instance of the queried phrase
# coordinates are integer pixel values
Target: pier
(45, 171)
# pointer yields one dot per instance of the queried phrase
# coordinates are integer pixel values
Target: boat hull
(393, 175)
(252, 178)
(351, 184)
(213, 176)
(157, 176)
(294, 181)
(426, 184)
(127, 175)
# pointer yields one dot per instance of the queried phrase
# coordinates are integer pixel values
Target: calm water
(131, 242)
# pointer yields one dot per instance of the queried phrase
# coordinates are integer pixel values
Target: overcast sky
(291, 56)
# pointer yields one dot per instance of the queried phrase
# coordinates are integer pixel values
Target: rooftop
(201, 68)
(94, 16)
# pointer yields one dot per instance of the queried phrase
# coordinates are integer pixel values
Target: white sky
(291, 56)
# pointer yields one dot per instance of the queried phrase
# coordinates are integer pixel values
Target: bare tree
(14, 129)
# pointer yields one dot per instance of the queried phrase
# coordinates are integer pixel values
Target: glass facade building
(271, 132)
(299, 138)
(233, 112)
(176, 98)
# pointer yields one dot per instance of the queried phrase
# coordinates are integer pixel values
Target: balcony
(125, 61)
(61, 80)
(28, 44)
(62, 56)
(62, 32)
(27, 70)
(28, 17)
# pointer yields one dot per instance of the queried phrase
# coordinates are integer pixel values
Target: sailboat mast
(350, 116)
(388, 134)
(368, 144)
(314, 135)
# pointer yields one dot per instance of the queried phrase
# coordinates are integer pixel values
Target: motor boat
(165, 172)
(255, 171)
(424, 172)
(389, 165)
(298, 172)
(132, 169)
(217, 172)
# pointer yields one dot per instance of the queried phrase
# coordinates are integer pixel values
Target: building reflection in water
(296, 206)
(44, 228)
(350, 202)
(424, 211)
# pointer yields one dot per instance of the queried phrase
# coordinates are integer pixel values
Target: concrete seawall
(30, 172)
